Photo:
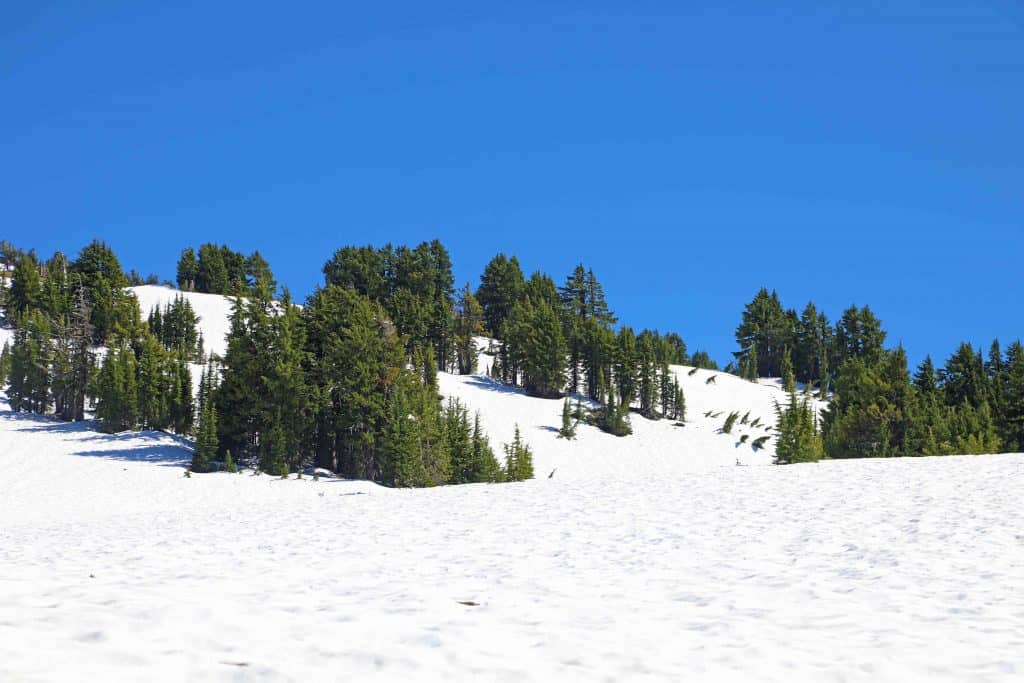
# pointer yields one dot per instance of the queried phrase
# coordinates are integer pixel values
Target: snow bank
(116, 567)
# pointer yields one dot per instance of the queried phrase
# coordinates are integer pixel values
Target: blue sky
(690, 153)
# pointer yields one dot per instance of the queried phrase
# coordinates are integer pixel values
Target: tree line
(348, 381)
(876, 407)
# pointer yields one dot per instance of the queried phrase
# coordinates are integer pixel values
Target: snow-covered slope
(655, 446)
(116, 567)
(214, 312)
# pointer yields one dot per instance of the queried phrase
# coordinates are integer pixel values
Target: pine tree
(568, 429)
(518, 459)
(25, 292)
(798, 438)
(206, 441)
(1013, 401)
(30, 364)
(117, 407)
(468, 324)
(73, 360)
(188, 270)
(100, 273)
(787, 373)
(485, 466)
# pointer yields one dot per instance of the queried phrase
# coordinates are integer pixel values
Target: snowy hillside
(116, 567)
(214, 312)
(654, 445)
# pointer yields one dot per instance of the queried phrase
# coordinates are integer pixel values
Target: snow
(659, 445)
(648, 557)
(213, 310)
(116, 567)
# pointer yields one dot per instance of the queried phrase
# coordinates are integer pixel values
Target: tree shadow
(494, 385)
(167, 455)
(149, 446)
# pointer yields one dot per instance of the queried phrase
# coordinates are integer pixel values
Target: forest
(347, 381)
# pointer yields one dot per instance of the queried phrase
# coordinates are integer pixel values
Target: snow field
(116, 567)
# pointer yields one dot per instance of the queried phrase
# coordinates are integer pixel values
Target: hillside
(648, 557)
(654, 445)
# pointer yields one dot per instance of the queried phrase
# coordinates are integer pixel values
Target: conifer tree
(485, 466)
(787, 373)
(117, 407)
(25, 292)
(798, 439)
(518, 459)
(30, 364)
(1013, 401)
(73, 360)
(100, 273)
(568, 429)
(468, 324)
(206, 441)
(188, 270)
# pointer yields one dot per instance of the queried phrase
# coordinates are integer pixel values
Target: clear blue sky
(688, 153)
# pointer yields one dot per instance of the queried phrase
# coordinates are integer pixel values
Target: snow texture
(116, 567)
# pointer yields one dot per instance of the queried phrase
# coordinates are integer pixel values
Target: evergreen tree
(25, 292)
(55, 293)
(468, 324)
(211, 271)
(787, 373)
(30, 365)
(1013, 402)
(206, 441)
(568, 429)
(485, 465)
(543, 351)
(117, 407)
(627, 361)
(798, 439)
(501, 285)
(73, 360)
(188, 270)
(762, 334)
(518, 459)
(100, 273)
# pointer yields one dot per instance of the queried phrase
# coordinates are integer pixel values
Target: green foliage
(613, 418)
(206, 442)
(229, 463)
(568, 428)
(798, 437)
(758, 443)
(111, 309)
(30, 357)
(786, 372)
(518, 459)
(469, 317)
(188, 270)
(117, 407)
(730, 420)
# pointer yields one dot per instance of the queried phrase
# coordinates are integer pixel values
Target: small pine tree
(729, 422)
(798, 436)
(518, 459)
(206, 441)
(568, 430)
(229, 463)
(786, 371)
